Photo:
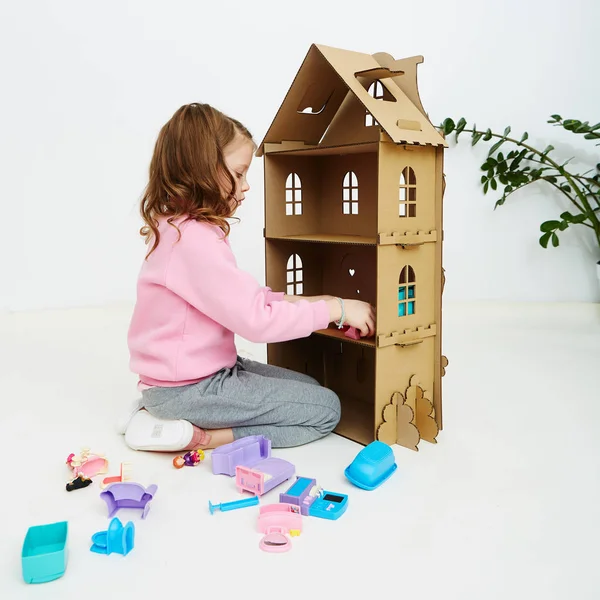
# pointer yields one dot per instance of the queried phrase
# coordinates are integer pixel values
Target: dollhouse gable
(340, 97)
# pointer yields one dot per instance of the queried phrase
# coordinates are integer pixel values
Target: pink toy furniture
(249, 459)
(276, 520)
(265, 475)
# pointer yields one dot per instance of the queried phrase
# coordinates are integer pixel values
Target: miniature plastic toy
(128, 495)
(44, 554)
(275, 520)
(87, 464)
(352, 333)
(314, 501)
(265, 475)
(225, 506)
(249, 459)
(116, 539)
(78, 483)
(124, 475)
(246, 451)
(373, 465)
(189, 459)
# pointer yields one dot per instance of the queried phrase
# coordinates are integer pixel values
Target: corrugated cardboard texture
(325, 78)
(353, 208)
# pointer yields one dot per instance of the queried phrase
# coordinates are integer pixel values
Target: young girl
(192, 298)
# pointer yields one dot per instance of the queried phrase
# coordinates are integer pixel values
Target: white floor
(506, 505)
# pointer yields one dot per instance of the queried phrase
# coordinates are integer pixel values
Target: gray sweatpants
(252, 398)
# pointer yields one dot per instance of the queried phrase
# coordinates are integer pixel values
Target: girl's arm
(203, 271)
(309, 298)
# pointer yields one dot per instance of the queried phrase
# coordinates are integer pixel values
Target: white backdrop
(87, 86)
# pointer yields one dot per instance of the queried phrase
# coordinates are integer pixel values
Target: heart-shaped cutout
(351, 271)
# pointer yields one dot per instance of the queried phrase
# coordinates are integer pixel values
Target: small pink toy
(275, 520)
(352, 333)
(87, 464)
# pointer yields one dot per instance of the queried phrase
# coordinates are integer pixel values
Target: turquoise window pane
(411, 308)
(411, 291)
(401, 309)
(402, 292)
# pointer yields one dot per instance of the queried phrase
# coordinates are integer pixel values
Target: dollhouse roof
(325, 80)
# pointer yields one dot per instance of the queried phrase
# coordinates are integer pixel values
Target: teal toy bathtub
(44, 555)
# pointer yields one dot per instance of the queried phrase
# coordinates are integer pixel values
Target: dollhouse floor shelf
(324, 238)
(339, 149)
(340, 335)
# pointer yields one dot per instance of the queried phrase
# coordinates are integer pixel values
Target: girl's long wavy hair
(186, 169)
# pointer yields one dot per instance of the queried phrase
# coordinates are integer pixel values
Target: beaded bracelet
(340, 323)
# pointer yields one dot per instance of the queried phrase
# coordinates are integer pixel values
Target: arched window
(294, 276)
(407, 193)
(293, 195)
(350, 194)
(376, 91)
(407, 292)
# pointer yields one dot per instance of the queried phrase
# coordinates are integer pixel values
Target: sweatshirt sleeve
(274, 296)
(203, 271)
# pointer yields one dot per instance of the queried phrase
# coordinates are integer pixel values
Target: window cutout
(407, 292)
(407, 193)
(378, 91)
(294, 276)
(350, 194)
(315, 100)
(293, 195)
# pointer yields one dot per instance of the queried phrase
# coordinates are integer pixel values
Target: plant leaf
(488, 135)
(549, 226)
(476, 138)
(507, 131)
(496, 146)
(545, 239)
(462, 123)
(494, 184)
(555, 240)
(448, 126)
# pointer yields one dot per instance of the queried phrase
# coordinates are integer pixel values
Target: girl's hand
(361, 315)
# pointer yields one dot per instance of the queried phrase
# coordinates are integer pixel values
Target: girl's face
(238, 157)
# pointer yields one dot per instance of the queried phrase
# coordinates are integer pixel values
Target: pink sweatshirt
(191, 300)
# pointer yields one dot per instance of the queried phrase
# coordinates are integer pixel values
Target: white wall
(86, 87)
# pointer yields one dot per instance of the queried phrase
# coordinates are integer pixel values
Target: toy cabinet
(353, 208)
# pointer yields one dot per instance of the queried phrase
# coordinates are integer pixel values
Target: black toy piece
(80, 482)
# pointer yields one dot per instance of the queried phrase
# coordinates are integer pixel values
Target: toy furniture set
(275, 521)
(128, 495)
(44, 553)
(116, 538)
(314, 501)
(354, 184)
(249, 459)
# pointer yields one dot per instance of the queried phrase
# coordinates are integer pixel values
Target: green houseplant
(524, 164)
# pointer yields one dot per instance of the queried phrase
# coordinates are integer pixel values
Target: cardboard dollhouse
(353, 208)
